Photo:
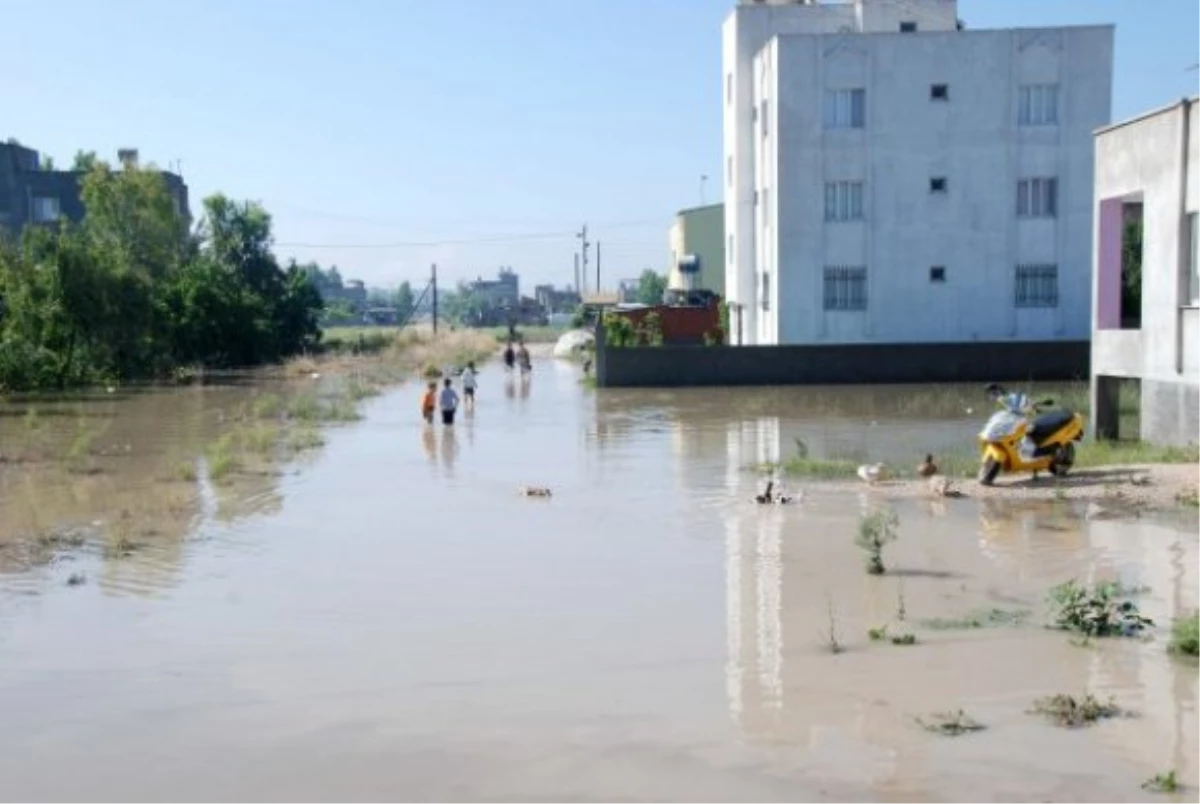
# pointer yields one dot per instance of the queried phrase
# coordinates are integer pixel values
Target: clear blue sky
(399, 121)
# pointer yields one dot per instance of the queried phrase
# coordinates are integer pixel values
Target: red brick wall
(680, 325)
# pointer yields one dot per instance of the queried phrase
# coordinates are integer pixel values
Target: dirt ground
(1145, 486)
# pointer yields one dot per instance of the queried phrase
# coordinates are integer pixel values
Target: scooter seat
(1050, 423)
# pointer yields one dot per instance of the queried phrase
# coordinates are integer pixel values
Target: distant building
(697, 244)
(503, 291)
(1148, 170)
(353, 292)
(893, 177)
(554, 300)
(30, 195)
(627, 291)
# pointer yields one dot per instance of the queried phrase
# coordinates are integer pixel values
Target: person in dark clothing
(510, 356)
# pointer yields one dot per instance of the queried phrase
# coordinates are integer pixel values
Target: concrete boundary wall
(850, 364)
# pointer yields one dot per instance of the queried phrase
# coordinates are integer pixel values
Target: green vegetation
(874, 533)
(1122, 453)
(1185, 635)
(991, 618)
(534, 334)
(950, 724)
(221, 459)
(651, 287)
(1162, 783)
(129, 293)
(1096, 612)
(877, 634)
(835, 644)
(1069, 712)
(904, 639)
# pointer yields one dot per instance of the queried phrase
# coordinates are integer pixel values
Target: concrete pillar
(1106, 407)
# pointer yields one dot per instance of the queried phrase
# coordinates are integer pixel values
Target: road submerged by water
(390, 619)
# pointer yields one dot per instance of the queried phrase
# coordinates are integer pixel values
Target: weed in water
(304, 407)
(874, 532)
(901, 610)
(305, 438)
(76, 579)
(80, 448)
(1069, 712)
(1162, 783)
(877, 634)
(1097, 612)
(1189, 498)
(358, 390)
(186, 471)
(341, 409)
(950, 724)
(818, 468)
(1185, 636)
(221, 460)
(835, 645)
(991, 618)
(260, 438)
(268, 406)
(904, 639)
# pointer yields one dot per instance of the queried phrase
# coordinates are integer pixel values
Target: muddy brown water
(388, 618)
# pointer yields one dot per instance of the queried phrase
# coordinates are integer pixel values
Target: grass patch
(222, 462)
(1188, 498)
(341, 409)
(269, 406)
(304, 407)
(358, 390)
(990, 618)
(950, 724)
(260, 438)
(874, 533)
(1117, 453)
(305, 438)
(1162, 783)
(186, 471)
(1096, 612)
(877, 634)
(816, 468)
(904, 639)
(1070, 713)
(1185, 636)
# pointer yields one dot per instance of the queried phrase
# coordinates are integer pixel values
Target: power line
(514, 238)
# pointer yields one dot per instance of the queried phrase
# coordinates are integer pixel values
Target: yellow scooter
(1020, 437)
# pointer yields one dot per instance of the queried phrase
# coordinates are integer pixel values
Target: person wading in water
(510, 357)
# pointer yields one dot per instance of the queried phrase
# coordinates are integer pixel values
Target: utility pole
(597, 266)
(583, 258)
(576, 286)
(433, 286)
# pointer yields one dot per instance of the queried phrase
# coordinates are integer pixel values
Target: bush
(1185, 635)
(1097, 612)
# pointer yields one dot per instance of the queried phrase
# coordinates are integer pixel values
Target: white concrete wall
(973, 140)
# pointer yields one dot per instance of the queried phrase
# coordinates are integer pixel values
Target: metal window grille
(845, 287)
(1037, 286)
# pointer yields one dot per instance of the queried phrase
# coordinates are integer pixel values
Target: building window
(46, 209)
(939, 92)
(1193, 244)
(843, 201)
(1037, 286)
(1038, 105)
(766, 291)
(937, 273)
(908, 27)
(845, 287)
(728, 88)
(1037, 198)
(937, 184)
(845, 108)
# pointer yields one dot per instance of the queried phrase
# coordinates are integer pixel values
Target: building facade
(1147, 172)
(697, 244)
(892, 177)
(30, 194)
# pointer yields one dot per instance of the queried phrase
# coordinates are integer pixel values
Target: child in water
(429, 402)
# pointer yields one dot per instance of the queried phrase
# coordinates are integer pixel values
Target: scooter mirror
(1046, 403)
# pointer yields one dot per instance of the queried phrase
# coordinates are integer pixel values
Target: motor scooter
(1022, 436)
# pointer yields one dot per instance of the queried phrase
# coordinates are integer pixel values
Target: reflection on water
(390, 620)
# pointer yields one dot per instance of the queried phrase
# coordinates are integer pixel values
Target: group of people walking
(518, 356)
(445, 400)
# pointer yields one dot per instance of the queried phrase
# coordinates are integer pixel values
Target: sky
(387, 135)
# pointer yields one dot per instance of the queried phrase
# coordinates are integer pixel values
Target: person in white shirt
(469, 384)
(448, 402)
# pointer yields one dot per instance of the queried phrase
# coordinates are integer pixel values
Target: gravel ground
(1151, 486)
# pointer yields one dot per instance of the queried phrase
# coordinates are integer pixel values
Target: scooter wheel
(1064, 459)
(988, 472)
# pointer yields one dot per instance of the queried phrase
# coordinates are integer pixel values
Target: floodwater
(388, 618)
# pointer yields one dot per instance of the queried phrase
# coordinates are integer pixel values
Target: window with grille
(845, 108)
(937, 184)
(908, 27)
(845, 287)
(1037, 198)
(1037, 286)
(939, 92)
(1038, 105)
(843, 201)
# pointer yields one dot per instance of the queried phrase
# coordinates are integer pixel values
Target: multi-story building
(892, 177)
(503, 291)
(1147, 198)
(31, 194)
(697, 243)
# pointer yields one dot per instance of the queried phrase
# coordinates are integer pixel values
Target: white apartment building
(893, 177)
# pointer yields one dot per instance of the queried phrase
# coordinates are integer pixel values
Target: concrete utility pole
(433, 286)
(597, 266)
(576, 286)
(583, 257)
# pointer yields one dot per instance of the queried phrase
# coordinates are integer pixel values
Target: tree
(1131, 269)
(48, 164)
(651, 287)
(84, 161)
(404, 299)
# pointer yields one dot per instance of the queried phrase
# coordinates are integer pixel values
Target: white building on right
(1146, 203)
(892, 177)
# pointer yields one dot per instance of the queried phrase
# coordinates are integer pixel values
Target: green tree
(404, 299)
(48, 164)
(1131, 269)
(651, 287)
(84, 161)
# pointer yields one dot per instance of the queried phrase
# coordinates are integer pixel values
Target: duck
(871, 473)
(927, 468)
(765, 497)
(783, 499)
(536, 491)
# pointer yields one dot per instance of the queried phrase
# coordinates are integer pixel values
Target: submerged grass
(1185, 636)
(1162, 783)
(950, 724)
(1069, 712)
(990, 618)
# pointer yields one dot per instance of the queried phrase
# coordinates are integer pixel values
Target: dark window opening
(908, 27)
(1131, 266)
(939, 92)
(937, 273)
(937, 185)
